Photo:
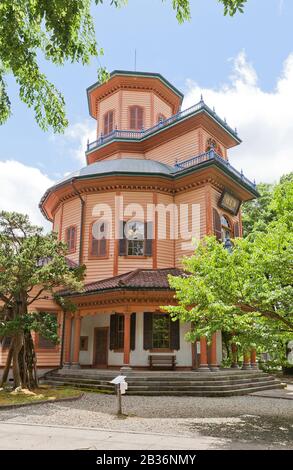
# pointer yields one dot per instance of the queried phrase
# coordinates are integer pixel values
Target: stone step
(88, 386)
(197, 393)
(162, 383)
(164, 387)
(139, 378)
(181, 384)
(203, 387)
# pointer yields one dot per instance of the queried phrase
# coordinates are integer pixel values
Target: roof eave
(116, 289)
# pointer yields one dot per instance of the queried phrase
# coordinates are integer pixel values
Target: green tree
(257, 214)
(274, 202)
(32, 266)
(247, 293)
(60, 31)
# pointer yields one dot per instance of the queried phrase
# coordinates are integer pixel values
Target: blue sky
(245, 58)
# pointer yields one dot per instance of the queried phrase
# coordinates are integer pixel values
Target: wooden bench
(162, 361)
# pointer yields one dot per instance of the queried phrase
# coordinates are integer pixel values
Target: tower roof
(124, 79)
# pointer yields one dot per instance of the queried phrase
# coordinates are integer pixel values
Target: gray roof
(121, 165)
(140, 167)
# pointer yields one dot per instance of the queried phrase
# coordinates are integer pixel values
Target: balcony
(128, 135)
(212, 156)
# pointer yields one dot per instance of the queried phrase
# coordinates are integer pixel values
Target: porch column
(234, 364)
(214, 362)
(126, 358)
(203, 365)
(253, 360)
(67, 339)
(76, 342)
(246, 361)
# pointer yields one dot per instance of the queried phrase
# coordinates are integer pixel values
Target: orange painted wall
(71, 216)
(165, 248)
(98, 268)
(160, 107)
(121, 100)
(109, 103)
(197, 197)
(57, 220)
(180, 148)
(205, 136)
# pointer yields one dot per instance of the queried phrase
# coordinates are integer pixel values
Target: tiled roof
(138, 279)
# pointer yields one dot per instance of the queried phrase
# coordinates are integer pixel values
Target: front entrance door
(101, 347)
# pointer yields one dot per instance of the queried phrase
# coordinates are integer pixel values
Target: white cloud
(21, 188)
(264, 119)
(74, 140)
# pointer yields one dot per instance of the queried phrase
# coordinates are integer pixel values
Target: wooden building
(156, 178)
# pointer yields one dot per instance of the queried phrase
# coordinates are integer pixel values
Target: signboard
(229, 202)
(118, 380)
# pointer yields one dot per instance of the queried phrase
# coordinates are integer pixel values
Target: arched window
(161, 118)
(108, 122)
(136, 118)
(99, 239)
(226, 228)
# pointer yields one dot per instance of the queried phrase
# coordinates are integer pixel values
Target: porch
(111, 340)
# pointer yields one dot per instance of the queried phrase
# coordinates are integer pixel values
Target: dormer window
(108, 122)
(136, 118)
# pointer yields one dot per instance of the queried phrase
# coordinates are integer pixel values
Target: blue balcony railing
(211, 155)
(137, 135)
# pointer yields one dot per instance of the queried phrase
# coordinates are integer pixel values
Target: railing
(211, 155)
(136, 135)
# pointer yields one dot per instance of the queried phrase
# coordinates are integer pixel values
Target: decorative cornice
(135, 187)
(133, 299)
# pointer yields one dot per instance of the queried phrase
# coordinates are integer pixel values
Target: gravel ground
(246, 418)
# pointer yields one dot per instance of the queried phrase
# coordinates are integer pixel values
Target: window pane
(70, 238)
(161, 331)
(108, 122)
(135, 247)
(226, 230)
(136, 118)
(139, 118)
(99, 239)
(103, 247)
(95, 247)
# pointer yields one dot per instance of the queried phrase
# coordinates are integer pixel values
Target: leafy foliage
(275, 201)
(247, 293)
(60, 31)
(231, 7)
(32, 267)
